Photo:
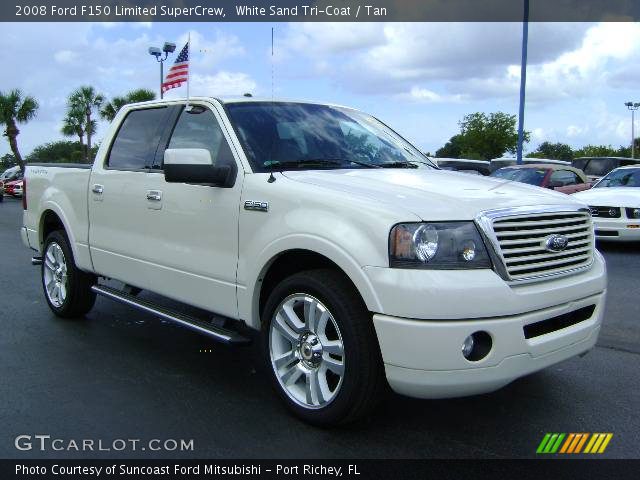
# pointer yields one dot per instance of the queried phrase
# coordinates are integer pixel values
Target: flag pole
(189, 70)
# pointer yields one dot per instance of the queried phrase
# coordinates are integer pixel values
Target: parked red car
(561, 178)
(13, 188)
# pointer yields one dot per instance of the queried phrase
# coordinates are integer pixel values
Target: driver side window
(199, 128)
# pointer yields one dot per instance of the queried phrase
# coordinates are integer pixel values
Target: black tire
(1, 197)
(79, 298)
(363, 383)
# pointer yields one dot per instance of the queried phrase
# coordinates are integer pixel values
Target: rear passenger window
(137, 140)
(565, 177)
(198, 128)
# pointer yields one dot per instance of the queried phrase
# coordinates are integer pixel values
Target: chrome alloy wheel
(55, 274)
(306, 350)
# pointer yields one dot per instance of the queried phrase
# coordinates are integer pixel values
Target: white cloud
(576, 130)
(222, 83)
(424, 95)
(65, 56)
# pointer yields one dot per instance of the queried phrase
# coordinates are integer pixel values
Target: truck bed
(61, 188)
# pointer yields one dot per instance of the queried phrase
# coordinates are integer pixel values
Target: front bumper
(421, 333)
(617, 229)
(423, 359)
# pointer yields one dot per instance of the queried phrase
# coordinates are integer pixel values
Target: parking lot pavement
(123, 374)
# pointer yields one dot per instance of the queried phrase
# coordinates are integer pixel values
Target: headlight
(633, 212)
(441, 245)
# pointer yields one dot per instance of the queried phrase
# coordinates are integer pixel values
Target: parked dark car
(482, 167)
(497, 163)
(597, 167)
(561, 178)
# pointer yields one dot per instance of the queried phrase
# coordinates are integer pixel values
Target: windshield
(597, 167)
(625, 177)
(307, 136)
(532, 176)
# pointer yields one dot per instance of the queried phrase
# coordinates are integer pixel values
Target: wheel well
(289, 263)
(50, 222)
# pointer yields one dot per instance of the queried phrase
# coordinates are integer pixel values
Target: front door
(191, 231)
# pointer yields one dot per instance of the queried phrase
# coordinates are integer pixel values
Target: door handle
(97, 189)
(154, 195)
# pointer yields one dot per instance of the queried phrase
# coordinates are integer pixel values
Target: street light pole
(167, 48)
(633, 106)
(523, 80)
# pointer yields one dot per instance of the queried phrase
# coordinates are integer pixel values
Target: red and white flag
(179, 71)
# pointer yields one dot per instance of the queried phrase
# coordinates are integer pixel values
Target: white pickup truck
(361, 262)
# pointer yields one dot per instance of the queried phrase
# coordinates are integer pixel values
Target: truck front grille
(526, 243)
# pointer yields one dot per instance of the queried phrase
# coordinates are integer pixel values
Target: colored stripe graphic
(543, 443)
(605, 443)
(567, 443)
(574, 442)
(550, 443)
(581, 443)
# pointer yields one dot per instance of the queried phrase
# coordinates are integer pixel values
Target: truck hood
(432, 194)
(610, 197)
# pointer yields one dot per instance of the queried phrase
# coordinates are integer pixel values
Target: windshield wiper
(400, 164)
(316, 161)
(298, 163)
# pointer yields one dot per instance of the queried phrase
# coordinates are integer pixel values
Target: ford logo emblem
(556, 243)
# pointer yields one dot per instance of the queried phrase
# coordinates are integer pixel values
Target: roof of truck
(241, 99)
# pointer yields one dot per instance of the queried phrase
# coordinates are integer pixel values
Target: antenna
(272, 65)
(271, 178)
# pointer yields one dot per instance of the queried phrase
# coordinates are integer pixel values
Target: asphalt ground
(123, 374)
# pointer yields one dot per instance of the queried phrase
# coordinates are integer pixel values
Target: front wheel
(66, 288)
(321, 348)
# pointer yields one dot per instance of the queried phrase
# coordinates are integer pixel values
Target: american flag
(179, 71)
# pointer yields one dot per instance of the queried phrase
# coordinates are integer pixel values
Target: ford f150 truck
(361, 262)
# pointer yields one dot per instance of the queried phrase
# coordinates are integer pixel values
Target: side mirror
(194, 165)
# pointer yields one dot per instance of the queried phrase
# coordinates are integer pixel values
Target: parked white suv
(361, 262)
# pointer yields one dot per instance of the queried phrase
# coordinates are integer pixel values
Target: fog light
(635, 213)
(476, 346)
(467, 346)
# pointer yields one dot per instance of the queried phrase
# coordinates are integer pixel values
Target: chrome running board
(220, 334)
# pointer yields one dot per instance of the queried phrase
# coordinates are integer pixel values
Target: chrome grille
(522, 240)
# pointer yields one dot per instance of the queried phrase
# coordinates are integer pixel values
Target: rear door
(117, 197)
(191, 231)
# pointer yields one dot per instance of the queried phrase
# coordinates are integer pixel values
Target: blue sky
(419, 78)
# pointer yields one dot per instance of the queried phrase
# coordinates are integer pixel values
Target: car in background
(561, 178)
(597, 167)
(480, 167)
(614, 202)
(14, 188)
(497, 163)
(10, 174)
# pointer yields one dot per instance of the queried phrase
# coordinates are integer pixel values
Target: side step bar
(220, 334)
(36, 260)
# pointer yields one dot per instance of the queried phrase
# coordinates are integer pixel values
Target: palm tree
(15, 107)
(73, 125)
(86, 99)
(111, 108)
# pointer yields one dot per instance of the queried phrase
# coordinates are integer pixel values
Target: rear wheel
(321, 348)
(66, 288)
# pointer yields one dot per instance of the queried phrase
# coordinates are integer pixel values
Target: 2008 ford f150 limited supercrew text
(361, 262)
